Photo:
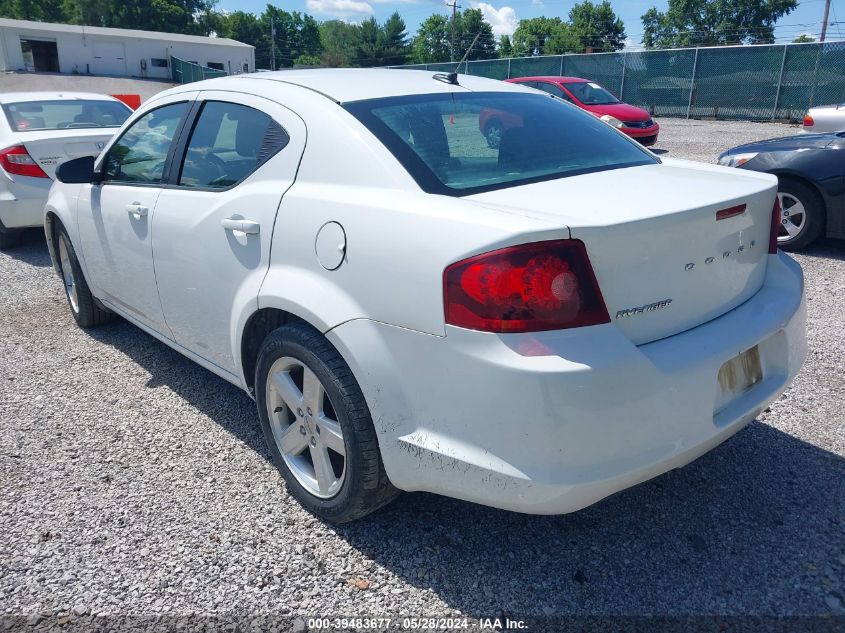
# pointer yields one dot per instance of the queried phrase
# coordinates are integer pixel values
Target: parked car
(532, 328)
(829, 118)
(588, 95)
(811, 176)
(39, 130)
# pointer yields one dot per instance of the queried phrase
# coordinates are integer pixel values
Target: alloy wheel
(305, 427)
(67, 275)
(793, 217)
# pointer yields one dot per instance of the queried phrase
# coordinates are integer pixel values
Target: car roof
(357, 84)
(20, 97)
(555, 78)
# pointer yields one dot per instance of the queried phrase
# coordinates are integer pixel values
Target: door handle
(238, 224)
(137, 209)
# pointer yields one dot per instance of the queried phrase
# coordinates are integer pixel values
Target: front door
(116, 215)
(214, 222)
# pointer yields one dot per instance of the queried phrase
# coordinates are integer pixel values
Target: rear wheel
(802, 215)
(85, 309)
(318, 427)
(494, 133)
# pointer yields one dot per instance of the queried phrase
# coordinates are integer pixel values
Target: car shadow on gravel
(826, 248)
(32, 250)
(753, 527)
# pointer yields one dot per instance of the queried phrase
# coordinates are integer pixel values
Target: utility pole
(272, 44)
(455, 6)
(824, 22)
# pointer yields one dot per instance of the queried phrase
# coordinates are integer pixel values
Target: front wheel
(802, 215)
(84, 307)
(318, 427)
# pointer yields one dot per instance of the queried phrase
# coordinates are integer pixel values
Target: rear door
(115, 218)
(214, 221)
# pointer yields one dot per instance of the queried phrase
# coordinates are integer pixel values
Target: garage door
(109, 58)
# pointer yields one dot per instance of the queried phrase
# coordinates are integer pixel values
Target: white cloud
(502, 20)
(340, 8)
(537, 3)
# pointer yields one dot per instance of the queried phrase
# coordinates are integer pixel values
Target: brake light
(527, 288)
(808, 121)
(775, 228)
(16, 160)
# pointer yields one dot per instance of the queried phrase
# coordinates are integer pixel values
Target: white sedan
(532, 327)
(821, 119)
(39, 130)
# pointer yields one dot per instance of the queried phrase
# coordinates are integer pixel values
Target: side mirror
(77, 171)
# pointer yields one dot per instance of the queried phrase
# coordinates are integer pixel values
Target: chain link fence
(185, 72)
(758, 83)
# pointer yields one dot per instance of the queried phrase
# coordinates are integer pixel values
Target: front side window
(140, 154)
(589, 93)
(61, 114)
(229, 142)
(442, 139)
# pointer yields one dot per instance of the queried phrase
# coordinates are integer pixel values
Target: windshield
(463, 143)
(589, 93)
(29, 116)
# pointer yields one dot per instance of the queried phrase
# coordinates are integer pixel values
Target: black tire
(814, 209)
(9, 238)
(365, 487)
(493, 133)
(87, 312)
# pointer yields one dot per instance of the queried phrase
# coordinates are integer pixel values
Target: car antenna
(452, 77)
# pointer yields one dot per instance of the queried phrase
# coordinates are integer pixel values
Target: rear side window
(553, 90)
(62, 114)
(229, 142)
(464, 143)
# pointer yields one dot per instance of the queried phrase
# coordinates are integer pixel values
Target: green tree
(543, 36)
(247, 28)
(504, 47)
(804, 38)
(340, 40)
(471, 26)
(39, 10)
(431, 43)
(596, 26)
(382, 45)
(714, 22)
(296, 34)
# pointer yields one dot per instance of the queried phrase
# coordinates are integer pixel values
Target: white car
(821, 119)
(531, 327)
(39, 130)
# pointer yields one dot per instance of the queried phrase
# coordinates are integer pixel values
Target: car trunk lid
(663, 260)
(50, 148)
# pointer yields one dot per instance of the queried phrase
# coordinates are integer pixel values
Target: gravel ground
(133, 482)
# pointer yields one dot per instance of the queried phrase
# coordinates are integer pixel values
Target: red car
(587, 95)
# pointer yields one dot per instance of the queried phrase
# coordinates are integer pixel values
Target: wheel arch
(785, 174)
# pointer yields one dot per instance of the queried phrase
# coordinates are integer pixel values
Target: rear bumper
(22, 200)
(553, 422)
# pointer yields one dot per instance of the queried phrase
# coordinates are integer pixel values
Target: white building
(68, 48)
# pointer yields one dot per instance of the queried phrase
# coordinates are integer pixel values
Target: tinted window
(442, 140)
(66, 113)
(140, 154)
(229, 142)
(552, 89)
(589, 93)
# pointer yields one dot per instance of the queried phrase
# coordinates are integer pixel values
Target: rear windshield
(29, 116)
(464, 143)
(589, 93)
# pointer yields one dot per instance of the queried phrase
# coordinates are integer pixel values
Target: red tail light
(16, 160)
(808, 121)
(775, 229)
(527, 288)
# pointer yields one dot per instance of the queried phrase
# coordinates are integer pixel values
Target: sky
(504, 15)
